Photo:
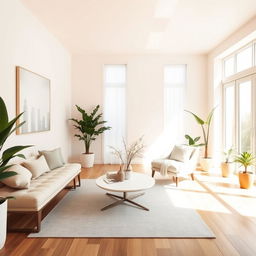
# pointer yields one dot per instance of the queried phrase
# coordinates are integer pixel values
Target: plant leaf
(3, 168)
(6, 174)
(197, 118)
(3, 115)
(197, 139)
(8, 153)
(3, 199)
(5, 133)
(187, 137)
(200, 145)
(209, 118)
(17, 126)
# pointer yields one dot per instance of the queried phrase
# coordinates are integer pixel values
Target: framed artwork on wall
(32, 98)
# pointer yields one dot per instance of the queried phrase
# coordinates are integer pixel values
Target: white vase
(87, 160)
(3, 220)
(206, 164)
(128, 174)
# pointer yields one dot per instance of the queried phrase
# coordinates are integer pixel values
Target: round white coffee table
(137, 182)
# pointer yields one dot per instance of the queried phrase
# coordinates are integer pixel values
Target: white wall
(25, 42)
(239, 38)
(144, 94)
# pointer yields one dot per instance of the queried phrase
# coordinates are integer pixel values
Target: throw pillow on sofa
(53, 158)
(37, 166)
(21, 179)
(181, 153)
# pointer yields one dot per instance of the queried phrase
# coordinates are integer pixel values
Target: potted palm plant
(6, 129)
(228, 167)
(205, 161)
(246, 178)
(89, 127)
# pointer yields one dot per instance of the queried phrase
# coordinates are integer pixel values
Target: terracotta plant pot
(227, 169)
(246, 180)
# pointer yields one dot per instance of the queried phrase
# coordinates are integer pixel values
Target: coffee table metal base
(123, 199)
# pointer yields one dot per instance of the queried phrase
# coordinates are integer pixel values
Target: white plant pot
(206, 164)
(3, 220)
(87, 160)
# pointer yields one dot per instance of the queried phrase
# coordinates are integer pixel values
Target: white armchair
(180, 163)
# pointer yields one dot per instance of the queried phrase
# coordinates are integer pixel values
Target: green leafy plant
(228, 155)
(205, 125)
(193, 142)
(90, 126)
(6, 129)
(245, 159)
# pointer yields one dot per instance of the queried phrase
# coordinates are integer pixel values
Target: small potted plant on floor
(6, 129)
(205, 161)
(246, 178)
(228, 167)
(89, 127)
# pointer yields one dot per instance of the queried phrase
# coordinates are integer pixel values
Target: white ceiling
(142, 26)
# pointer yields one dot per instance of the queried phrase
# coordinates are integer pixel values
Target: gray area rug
(79, 214)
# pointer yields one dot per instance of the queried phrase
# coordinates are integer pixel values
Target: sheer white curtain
(114, 109)
(174, 96)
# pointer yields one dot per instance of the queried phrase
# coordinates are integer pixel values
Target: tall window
(114, 109)
(239, 99)
(174, 93)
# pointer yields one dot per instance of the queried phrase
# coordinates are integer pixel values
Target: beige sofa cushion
(37, 166)
(21, 179)
(181, 153)
(53, 158)
(41, 190)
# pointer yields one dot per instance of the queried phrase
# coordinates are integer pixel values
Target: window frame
(234, 54)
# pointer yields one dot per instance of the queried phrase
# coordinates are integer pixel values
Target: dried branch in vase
(130, 152)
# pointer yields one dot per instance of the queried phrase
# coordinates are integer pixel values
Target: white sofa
(41, 191)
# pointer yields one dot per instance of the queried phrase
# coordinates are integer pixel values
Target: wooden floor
(229, 211)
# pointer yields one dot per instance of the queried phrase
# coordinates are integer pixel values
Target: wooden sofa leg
(177, 181)
(38, 221)
(153, 173)
(79, 180)
(192, 176)
(74, 183)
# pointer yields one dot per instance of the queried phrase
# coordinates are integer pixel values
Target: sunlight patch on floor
(241, 200)
(245, 206)
(192, 195)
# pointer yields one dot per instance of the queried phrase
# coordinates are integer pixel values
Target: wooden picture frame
(33, 99)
